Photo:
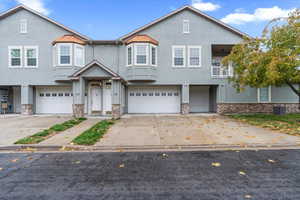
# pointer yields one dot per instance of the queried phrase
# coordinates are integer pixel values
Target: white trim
(25, 23)
(135, 54)
(37, 56)
(83, 54)
(9, 56)
(59, 53)
(155, 47)
(200, 56)
(132, 54)
(270, 95)
(186, 22)
(173, 56)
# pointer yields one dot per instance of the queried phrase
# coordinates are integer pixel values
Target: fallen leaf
(164, 155)
(188, 138)
(77, 162)
(121, 166)
(120, 150)
(216, 164)
(1, 168)
(248, 196)
(15, 160)
(271, 161)
(242, 173)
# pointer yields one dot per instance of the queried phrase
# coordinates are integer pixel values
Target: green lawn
(92, 135)
(289, 123)
(43, 135)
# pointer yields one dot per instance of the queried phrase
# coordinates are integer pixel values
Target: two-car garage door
(164, 99)
(54, 100)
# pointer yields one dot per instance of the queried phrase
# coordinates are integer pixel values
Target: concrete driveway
(190, 130)
(15, 127)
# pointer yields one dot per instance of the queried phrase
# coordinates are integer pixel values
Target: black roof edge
(105, 42)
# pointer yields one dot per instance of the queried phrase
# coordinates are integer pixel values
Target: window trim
(25, 56)
(9, 56)
(155, 47)
(132, 54)
(270, 95)
(25, 23)
(186, 21)
(59, 54)
(173, 56)
(135, 54)
(75, 57)
(200, 56)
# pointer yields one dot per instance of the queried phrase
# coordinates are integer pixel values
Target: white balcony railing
(221, 71)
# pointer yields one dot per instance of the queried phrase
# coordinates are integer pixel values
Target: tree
(273, 59)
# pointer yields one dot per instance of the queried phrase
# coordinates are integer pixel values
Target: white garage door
(54, 100)
(153, 100)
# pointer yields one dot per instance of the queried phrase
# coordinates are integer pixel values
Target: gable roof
(91, 64)
(196, 11)
(69, 39)
(21, 6)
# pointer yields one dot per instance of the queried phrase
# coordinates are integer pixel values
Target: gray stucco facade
(105, 68)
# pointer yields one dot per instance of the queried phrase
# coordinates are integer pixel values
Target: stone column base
(78, 110)
(185, 108)
(116, 111)
(27, 109)
(224, 108)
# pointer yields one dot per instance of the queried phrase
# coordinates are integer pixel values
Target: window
(131, 94)
(194, 56)
(65, 54)
(153, 55)
(31, 56)
(79, 55)
(15, 56)
(264, 95)
(186, 26)
(54, 94)
(42, 94)
(220, 71)
(23, 26)
(141, 54)
(129, 55)
(178, 56)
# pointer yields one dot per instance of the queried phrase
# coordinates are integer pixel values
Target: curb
(204, 147)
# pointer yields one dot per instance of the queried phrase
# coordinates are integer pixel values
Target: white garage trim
(162, 99)
(54, 100)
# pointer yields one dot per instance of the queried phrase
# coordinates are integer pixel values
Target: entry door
(96, 98)
(199, 99)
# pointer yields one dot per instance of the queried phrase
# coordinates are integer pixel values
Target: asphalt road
(261, 175)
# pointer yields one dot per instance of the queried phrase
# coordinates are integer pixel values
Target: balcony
(221, 71)
(146, 73)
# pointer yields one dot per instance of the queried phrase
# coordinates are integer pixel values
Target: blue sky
(110, 19)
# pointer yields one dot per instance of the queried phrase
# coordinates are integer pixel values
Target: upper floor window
(264, 95)
(15, 56)
(23, 26)
(141, 54)
(186, 26)
(178, 56)
(153, 55)
(65, 54)
(194, 56)
(220, 71)
(31, 56)
(129, 55)
(79, 55)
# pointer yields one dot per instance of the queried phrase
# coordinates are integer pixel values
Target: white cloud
(260, 14)
(205, 6)
(37, 5)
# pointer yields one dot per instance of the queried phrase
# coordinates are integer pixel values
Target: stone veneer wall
(223, 108)
(116, 111)
(185, 108)
(27, 109)
(78, 110)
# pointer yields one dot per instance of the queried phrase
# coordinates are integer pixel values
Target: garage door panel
(154, 100)
(54, 100)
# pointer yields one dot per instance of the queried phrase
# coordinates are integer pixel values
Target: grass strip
(45, 134)
(289, 123)
(92, 135)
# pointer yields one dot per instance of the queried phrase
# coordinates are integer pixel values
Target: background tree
(273, 59)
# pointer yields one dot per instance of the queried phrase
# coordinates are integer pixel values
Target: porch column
(185, 99)
(78, 97)
(26, 100)
(116, 99)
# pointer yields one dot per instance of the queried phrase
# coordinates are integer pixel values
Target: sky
(111, 19)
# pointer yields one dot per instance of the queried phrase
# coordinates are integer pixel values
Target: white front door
(96, 98)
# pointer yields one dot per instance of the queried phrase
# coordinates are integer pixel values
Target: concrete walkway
(190, 130)
(67, 136)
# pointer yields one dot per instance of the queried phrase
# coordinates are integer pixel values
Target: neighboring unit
(172, 65)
